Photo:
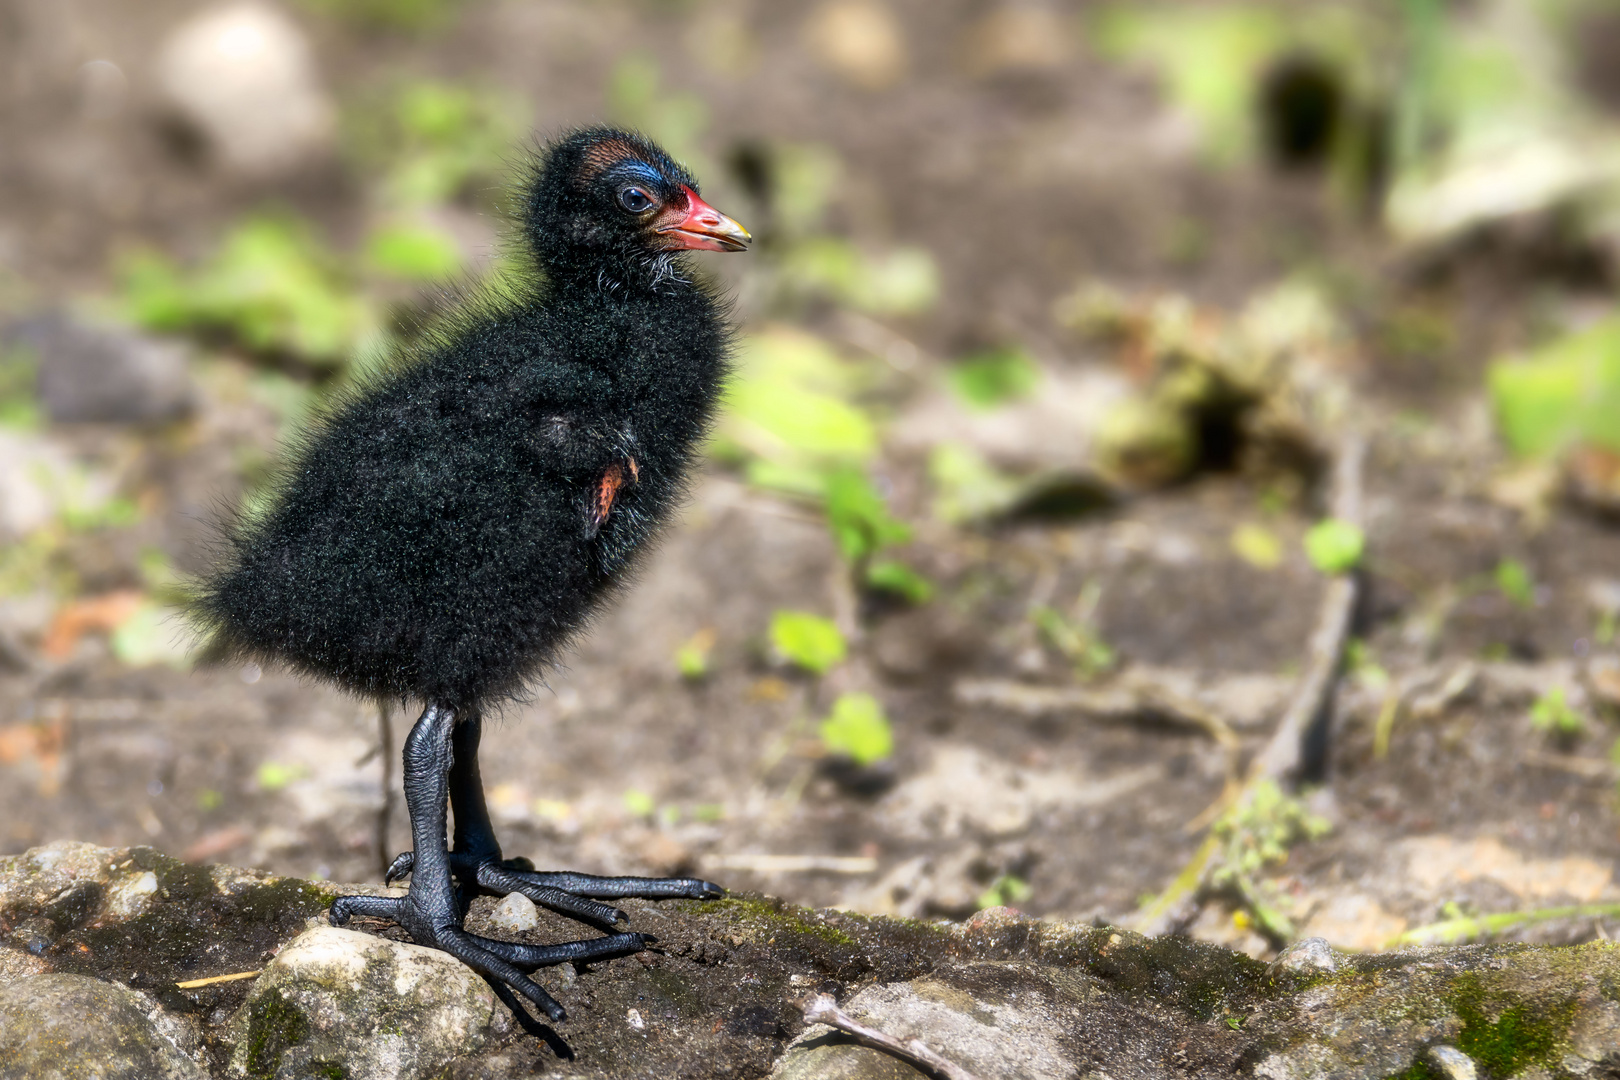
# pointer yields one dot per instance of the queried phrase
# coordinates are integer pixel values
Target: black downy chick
(442, 531)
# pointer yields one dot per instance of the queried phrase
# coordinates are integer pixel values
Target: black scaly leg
(433, 910)
(477, 863)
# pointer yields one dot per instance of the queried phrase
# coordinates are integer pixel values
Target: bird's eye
(635, 200)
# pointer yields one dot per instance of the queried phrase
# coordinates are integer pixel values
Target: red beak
(702, 228)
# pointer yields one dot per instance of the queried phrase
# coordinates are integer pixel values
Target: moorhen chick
(444, 528)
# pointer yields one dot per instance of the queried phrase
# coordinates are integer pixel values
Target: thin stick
(1282, 757)
(212, 979)
(822, 1009)
(1126, 701)
(385, 745)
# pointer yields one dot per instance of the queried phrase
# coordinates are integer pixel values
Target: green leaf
(1513, 580)
(858, 729)
(1334, 546)
(807, 640)
(413, 252)
(993, 378)
(898, 578)
(858, 516)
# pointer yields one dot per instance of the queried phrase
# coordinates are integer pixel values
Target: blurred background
(1036, 488)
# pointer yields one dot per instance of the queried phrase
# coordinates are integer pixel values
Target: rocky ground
(124, 963)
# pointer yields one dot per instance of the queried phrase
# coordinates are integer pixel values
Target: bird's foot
(435, 921)
(573, 895)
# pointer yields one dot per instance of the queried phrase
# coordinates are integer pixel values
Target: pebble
(1309, 955)
(514, 915)
(1452, 1063)
(243, 76)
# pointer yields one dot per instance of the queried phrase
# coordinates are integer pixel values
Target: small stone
(514, 915)
(1452, 1063)
(130, 897)
(243, 76)
(378, 1009)
(633, 1018)
(106, 374)
(72, 1025)
(1307, 956)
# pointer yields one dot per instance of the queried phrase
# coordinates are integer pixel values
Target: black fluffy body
(432, 537)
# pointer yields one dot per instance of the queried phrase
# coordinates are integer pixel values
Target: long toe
(345, 908)
(499, 879)
(623, 888)
(588, 951)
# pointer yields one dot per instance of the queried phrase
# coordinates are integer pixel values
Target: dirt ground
(1021, 183)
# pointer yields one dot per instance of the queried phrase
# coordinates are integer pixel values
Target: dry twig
(822, 1009)
(1126, 700)
(1284, 753)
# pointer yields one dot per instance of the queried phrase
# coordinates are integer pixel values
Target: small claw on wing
(607, 491)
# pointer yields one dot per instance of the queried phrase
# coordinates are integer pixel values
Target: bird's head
(613, 201)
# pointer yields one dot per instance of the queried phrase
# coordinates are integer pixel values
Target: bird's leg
(477, 863)
(433, 911)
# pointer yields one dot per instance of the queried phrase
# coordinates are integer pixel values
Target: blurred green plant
(411, 15)
(968, 488)
(692, 657)
(1553, 714)
(272, 287)
(676, 121)
(1459, 929)
(412, 251)
(900, 281)
(792, 424)
(639, 804)
(275, 775)
(1076, 637)
(1212, 58)
(19, 408)
(789, 417)
(1513, 581)
(433, 142)
(809, 641)
(1255, 834)
(1006, 891)
(858, 729)
(152, 634)
(804, 178)
(1334, 546)
(1563, 393)
(993, 377)
(862, 527)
